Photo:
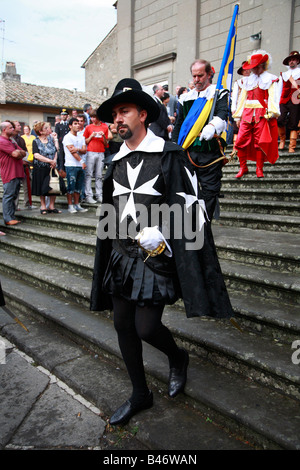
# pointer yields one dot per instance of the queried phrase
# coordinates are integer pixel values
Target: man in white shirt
(74, 148)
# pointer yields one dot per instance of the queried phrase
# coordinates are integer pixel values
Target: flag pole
(225, 59)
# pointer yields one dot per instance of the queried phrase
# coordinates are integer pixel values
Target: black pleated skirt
(132, 279)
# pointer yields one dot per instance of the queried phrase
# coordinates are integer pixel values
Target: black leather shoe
(178, 376)
(128, 410)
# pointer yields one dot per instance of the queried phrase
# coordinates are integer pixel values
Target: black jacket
(201, 281)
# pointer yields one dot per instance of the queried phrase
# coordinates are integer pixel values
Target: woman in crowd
(29, 138)
(45, 158)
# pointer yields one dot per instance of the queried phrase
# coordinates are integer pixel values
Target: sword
(16, 319)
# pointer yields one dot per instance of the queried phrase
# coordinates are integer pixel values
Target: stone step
(59, 249)
(90, 379)
(281, 252)
(72, 287)
(81, 223)
(264, 282)
(68, 285)
(276, 250)
(249, 181)
(263, 207)
(260, 193)
(82, 242)
(68, 260)
(281, 223)
(268, 282)
(286, 170)
(217, 392)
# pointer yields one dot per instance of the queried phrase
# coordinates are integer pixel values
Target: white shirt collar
(193, 94)
(151, 143)
(295, 73)
(264, 81)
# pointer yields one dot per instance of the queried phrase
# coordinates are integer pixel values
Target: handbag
(54, 182)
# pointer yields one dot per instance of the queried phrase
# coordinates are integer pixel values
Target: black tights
(134, 324)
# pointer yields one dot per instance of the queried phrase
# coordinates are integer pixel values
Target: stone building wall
(157, 40)
(101, 68)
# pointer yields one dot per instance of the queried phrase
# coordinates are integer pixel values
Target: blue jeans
(10, 194)
(94, 163)
(75, 179)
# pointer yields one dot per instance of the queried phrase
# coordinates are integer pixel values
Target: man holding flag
(203, 118)
(204, 149)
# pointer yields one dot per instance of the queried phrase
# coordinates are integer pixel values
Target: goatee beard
(125, 135)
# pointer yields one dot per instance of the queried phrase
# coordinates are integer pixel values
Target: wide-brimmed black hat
(129, 90)
(240, 70)
(292, 55)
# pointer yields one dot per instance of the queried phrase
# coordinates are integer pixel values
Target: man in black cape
(144, 261)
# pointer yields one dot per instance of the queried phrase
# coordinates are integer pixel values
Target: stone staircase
(245, 380)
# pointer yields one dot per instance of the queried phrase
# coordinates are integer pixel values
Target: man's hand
(207, 132)
(18, 154)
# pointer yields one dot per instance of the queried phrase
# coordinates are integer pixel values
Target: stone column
(187, 39)
(125, 38)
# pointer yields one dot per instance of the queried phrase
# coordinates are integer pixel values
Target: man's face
(74, 127)
(258, 70)
(9, 130)
(160, 92)
(128, 120)
(64, 117)
(293, 63)
(201, 79)
(18, 127)
(81, 122)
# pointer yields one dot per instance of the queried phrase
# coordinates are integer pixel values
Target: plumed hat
(129, 90)
(257, 58)
(292, 55)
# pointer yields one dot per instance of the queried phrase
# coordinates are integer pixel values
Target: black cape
(201, 281)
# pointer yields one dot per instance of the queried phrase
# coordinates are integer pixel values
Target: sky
(50, 40)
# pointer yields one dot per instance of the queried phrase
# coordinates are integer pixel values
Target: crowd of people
(73, 152)
(263, 108)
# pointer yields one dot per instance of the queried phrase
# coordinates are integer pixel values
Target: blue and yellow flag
(202, 108)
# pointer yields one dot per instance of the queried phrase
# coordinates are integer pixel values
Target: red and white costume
(258, 108)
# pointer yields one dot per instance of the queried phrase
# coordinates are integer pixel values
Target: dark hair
(181, 90)
(86, 106)
(93, 113)
(72, 120)
(140, 108)
(81, 116)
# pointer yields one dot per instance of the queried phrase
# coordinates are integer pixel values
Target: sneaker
(72, 209)
(79, 208)
(99, 199)
(90, 200)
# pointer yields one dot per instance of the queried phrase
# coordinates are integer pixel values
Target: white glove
(150, 237)
(207, 132)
